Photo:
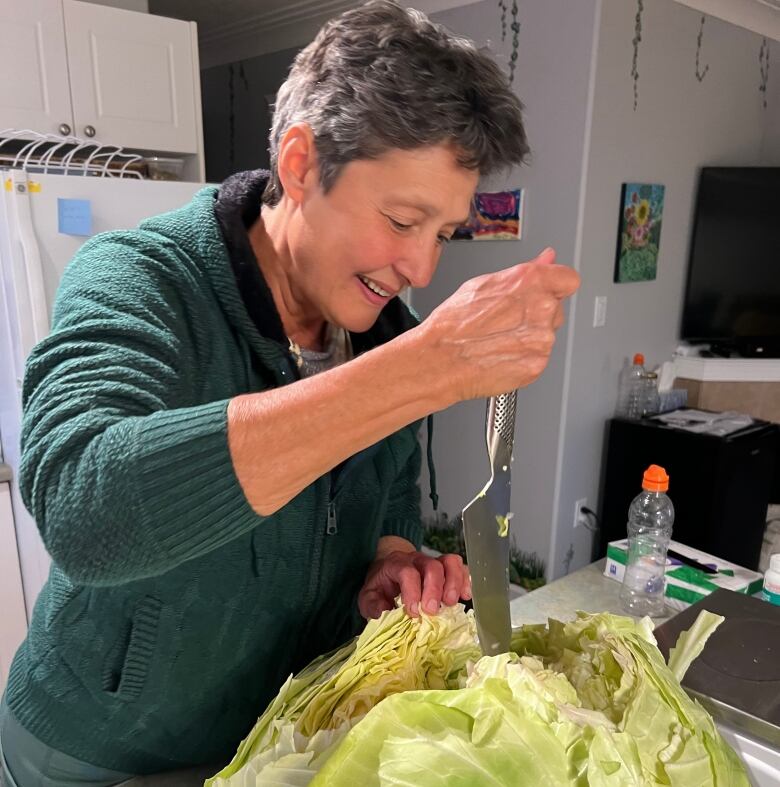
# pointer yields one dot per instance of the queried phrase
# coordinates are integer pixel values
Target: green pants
(27, 762)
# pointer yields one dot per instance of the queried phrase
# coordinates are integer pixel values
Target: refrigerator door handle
(32, 310)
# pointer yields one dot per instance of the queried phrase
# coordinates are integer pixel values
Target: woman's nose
(419, 264)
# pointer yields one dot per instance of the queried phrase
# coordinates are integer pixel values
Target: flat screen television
(732, 296)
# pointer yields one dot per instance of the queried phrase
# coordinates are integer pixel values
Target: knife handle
(501, 423)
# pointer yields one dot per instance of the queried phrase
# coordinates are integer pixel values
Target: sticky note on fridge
(74, 216)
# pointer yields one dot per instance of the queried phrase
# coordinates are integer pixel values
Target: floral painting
(494, 215)
(640, 232)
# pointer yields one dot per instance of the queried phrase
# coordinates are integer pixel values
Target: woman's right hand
(496, 332)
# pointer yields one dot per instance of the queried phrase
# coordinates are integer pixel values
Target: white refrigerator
(44, 219)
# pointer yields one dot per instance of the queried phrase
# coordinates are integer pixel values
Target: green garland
(635, 62)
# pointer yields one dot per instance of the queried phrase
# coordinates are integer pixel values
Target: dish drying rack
(33, 151)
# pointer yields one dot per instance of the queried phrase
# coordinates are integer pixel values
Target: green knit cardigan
(173, 612)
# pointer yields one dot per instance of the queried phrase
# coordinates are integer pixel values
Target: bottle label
(772, 589)
(772, 598)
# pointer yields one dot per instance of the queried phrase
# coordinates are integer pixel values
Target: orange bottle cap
(639, 359)
(655, 479)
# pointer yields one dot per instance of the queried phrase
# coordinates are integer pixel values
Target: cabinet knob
(89, 131)
(64, 129)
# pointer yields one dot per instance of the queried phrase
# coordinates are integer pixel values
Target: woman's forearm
(282, 440)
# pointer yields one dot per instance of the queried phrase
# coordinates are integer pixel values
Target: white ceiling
(230, 30)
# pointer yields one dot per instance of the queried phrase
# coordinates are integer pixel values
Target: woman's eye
(442, 239)
(400, 226)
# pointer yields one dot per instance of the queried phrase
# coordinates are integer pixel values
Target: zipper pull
(332, 528)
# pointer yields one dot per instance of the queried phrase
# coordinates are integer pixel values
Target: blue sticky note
(74, 216)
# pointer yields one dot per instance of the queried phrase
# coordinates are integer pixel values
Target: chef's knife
(486, 530)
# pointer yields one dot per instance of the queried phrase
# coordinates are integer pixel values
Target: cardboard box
(684, 584)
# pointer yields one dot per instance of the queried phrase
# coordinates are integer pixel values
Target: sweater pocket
(125, 670)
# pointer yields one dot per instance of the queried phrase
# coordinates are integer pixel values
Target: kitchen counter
(586, 589)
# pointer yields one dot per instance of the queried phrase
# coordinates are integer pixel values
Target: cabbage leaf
(412, 702)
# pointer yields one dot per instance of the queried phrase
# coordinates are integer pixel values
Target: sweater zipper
(332, 526)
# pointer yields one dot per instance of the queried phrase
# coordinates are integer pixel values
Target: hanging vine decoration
(515, 27)
(502, 6)
(242, 74)
(699, 73)
(232, 106)
(763, 62)
(637, 38)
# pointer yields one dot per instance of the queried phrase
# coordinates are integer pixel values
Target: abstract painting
(494, 215)
(639, 232)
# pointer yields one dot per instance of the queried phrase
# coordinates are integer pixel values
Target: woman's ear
(297, 162)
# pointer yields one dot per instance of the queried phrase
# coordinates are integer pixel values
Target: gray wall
(554, 90)
(242, 143)
(574, 77)
(680, 125)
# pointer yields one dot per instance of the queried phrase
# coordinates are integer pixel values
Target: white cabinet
(34, 89)
(111, 76)
(13, 620)
(131, 78)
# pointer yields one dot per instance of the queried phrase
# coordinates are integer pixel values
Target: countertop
(586, 589)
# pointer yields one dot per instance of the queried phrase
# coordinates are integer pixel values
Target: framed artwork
(639, 232)
(494, 215)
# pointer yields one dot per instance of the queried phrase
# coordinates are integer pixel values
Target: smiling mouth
(375, 288)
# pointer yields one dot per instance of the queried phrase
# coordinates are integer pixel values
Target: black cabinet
(720, 486)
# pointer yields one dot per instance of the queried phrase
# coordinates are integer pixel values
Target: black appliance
(720, 486)
(732, 296)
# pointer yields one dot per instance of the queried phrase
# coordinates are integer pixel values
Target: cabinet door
(132, 78)
(34, 91)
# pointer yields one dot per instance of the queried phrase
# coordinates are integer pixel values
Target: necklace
(295, 351)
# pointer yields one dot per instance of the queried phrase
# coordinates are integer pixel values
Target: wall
(586, 140)
(680, 124)
(236, 117)
(555, 92)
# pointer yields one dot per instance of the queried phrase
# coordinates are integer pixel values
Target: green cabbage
(314, 710)
(588, 702)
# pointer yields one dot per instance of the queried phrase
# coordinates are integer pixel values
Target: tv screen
(733, 290)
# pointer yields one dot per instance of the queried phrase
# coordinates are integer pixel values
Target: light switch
(600, 311)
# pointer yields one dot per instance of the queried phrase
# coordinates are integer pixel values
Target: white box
(686, 585)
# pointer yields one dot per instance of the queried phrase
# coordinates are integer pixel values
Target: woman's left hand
(423, 582)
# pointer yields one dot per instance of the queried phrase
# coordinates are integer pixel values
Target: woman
(221, 433)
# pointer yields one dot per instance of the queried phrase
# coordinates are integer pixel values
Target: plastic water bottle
(631, 389)
(651, 399)
(650, 520)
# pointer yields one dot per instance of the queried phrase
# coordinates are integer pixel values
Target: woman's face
(380, 229)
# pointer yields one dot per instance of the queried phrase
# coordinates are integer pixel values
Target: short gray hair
(380, 77)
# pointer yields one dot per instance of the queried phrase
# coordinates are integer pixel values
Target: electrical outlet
(600, 311)
(579, 517)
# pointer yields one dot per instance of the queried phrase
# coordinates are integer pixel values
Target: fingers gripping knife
(486, 529)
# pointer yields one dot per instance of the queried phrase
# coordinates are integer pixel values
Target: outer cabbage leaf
(315, 709)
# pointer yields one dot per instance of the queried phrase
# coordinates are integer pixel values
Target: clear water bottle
(650, 520)
(631, 389)
(651, 399)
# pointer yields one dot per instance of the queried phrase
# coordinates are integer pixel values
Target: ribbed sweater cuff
(188, 489)
(410, 529)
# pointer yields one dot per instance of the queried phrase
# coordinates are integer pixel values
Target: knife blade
(486, 531)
